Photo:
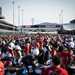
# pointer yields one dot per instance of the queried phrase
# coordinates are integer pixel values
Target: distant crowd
(55, 51)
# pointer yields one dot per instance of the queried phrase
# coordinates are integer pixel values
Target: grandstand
(5, 26)
(1, 17)
(42, 28)
(68, 28)
(36, 28)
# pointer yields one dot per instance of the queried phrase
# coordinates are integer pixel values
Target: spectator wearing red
(27, 49)
(56, 69)
(65, 57)
(57, 66)
(1, 68)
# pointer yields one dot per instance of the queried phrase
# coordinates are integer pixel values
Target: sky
(38, 11)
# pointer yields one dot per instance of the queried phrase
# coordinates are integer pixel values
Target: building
(42, 28)
(5, 26)
(68, 28)
(1, 17)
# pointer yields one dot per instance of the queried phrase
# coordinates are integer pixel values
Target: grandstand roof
(6, 23)
(47, 23)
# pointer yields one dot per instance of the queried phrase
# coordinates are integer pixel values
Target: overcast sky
(40, 10)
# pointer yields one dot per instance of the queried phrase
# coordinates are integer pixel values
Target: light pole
(32, 21)
(13, 13)
(18, 16)
(61, 17)
(22, 20)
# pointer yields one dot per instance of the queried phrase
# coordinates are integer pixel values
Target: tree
(72, 21)
(1, 17)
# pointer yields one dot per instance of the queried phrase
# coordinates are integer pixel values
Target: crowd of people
(37, 50)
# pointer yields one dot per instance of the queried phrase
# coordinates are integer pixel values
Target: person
(23, 70)
(57, 66)
(71, 44)
(1, 67)
(27, 48)
(55, 69)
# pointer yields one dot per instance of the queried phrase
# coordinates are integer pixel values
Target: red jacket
(59, 71)
(27, 49)
(62, 71)
(1, 68)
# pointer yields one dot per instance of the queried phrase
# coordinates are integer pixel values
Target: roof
(6, 23)
(47, 23)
